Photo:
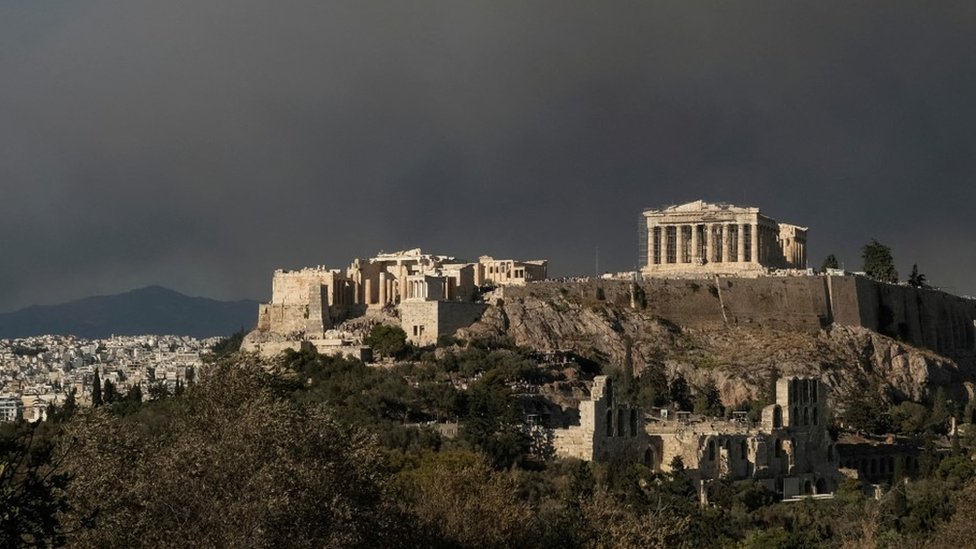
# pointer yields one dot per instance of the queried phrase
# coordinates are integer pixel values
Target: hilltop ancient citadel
(755, 269)
(704, 267)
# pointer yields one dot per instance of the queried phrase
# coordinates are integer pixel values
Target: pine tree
(878, 263)
(830, 262)
(916, 279)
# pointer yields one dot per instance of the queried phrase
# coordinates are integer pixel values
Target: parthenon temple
(704, 238)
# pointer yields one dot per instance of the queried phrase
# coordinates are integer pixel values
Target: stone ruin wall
(591, 440)
(922, 317)
(436, 318)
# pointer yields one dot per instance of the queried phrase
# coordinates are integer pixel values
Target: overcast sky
(202, 144)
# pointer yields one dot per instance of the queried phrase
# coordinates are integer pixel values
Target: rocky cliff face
(602, 325)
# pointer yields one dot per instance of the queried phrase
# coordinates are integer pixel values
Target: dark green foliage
(231, 463)
(708, 401)
(493, 424)
(322, 453)
(228, 345)
(109, 393)
(878, 263)
(940, 412)
(865, 410)
(652, 387)
(64, 412)
(96, 390)
(31, 487)
(909, 418)
(387, 341)
(679, 393)
(601, 295)
(829, 262)
(128, 404)
(916, 279)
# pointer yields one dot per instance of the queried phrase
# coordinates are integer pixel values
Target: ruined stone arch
(821, 486)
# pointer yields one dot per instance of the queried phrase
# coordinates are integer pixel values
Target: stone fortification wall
(794, 303)
(424, 321)
(922, 317)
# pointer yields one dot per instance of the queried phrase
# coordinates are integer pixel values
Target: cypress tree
(96, 390)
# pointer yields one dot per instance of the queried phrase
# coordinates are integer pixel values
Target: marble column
(661, 240)
(754, 236)
(709, 243)
(679, 243)
(650, 244)
(725, 242)
(694, 244)
(741, 244)
(383, 286)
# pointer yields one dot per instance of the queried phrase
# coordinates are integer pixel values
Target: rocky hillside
(600, 321)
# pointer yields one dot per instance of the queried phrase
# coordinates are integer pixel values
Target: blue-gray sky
(201, 144)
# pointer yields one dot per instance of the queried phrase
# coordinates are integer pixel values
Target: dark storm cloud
(200, 145)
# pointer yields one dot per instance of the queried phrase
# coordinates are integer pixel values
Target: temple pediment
(702, 206)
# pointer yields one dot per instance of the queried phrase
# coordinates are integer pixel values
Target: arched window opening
(806, 416)
(814, 415)
(807, 487)
(777, 417)
(821, 486)
(649, 458)
(711, 450)
(609, 423)
(778, 448)
(795, 417)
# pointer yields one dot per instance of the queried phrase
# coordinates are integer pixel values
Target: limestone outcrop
(737, 357)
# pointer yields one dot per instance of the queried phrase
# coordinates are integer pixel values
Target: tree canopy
(388, 341)
(878, 263)
(830, 262)
(916, 279)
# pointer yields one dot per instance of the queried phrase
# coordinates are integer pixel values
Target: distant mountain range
(152, 310)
